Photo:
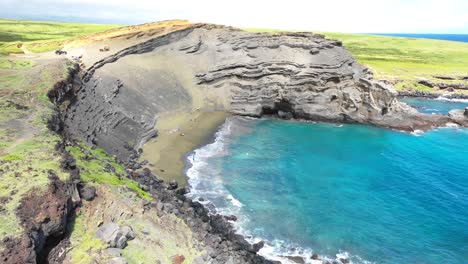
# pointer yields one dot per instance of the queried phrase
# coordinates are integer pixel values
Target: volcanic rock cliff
(207, 67)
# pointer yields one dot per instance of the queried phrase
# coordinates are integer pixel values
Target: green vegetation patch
(10, 82)
(25, 167)
(27, 147)
(40, 36)
(15, 64)
(83, 241)
(97, 167)
(406, 57)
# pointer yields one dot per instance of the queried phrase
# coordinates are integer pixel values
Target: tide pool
(377, 195)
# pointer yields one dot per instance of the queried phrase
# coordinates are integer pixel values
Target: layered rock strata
(207, 67)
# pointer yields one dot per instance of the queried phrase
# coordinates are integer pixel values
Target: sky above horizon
(356, 16)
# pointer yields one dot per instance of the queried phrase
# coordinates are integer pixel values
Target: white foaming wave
(199, 165)
(279, 250)
(442, 98)
(417, 132)
(204, 178)
(234, 201)
(205, 182)
(452, 125)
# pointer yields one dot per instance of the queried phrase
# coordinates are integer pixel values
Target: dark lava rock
(70, 164)
(315, 256)
(426, 83)
(136, 166)
(296, 259)
(88, 193)
(172, 185)
(344, 260)
(146, 172)
(181, 191)
(257, 246)
(230, 217)
(444, 77)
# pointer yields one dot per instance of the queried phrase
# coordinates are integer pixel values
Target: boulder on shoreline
(115, 236)
(460, 116)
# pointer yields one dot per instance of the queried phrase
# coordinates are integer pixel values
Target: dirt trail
(25, 50)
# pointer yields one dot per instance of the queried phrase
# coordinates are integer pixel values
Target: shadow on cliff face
(282, 109)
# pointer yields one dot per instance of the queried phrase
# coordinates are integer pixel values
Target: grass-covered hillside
(28, 154)
(404, 60)
(407, 59)
(39, 36)
(31, 164)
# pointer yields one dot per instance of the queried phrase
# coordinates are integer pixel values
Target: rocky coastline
(221, 242)
(216, 232)
(432, 95)
(46, 241)
(104, 107)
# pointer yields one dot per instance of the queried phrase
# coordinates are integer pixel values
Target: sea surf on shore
(368, 194)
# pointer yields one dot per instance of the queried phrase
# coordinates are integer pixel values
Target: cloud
(413, 16)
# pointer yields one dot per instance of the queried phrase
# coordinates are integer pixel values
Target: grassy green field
(404, 59)
(39, 36)
(407, 58)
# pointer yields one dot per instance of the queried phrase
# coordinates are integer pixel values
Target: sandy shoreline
(178, 134)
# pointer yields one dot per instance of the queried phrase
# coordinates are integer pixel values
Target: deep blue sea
(376, 195)
(451, 37)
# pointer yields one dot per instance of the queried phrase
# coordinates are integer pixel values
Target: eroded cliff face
(206, 67)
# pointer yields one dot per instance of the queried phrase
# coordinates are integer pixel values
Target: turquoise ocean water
(376, 195)
(437, 106)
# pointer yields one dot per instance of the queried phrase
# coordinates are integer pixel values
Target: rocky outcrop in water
(460, 116)
(208, 67)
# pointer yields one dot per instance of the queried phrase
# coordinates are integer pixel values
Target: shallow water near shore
(378, 195)
(440, 105)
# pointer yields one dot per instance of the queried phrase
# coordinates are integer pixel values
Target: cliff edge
(205, 67)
